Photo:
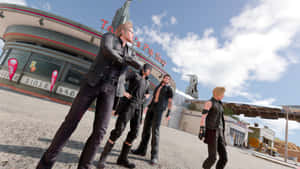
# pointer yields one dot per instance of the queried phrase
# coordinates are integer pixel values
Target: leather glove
(168, 113)
(201, 132)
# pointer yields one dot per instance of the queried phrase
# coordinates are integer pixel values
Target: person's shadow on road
(79, 146)
(64, 157)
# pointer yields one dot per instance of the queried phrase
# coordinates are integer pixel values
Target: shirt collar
(120, 40)
(219, 101)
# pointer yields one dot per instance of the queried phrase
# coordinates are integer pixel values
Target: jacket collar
(219, 101)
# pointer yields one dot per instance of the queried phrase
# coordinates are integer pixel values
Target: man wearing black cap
(162, 98)
(129, 109)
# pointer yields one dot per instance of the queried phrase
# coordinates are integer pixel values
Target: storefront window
(75, 75)
(42, 65)
(3, 56)
(21, 55)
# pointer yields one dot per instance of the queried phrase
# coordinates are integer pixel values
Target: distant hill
(293, 149)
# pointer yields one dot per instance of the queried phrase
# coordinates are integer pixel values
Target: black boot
(123, 158)
(43, 164)
(139, 151)
(107, 149)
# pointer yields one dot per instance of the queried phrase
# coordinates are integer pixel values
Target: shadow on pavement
(36, 152)
(79, 146)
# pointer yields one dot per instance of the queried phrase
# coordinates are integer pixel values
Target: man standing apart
(130, 109)
(100, 83)
(162, 98)
(213, 114)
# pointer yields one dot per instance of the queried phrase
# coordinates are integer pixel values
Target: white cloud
(160, 21)
(176, 70)
(265, 102)
(47, 6)
(173, 20)
(256, 47)
(156, 19)
(42, 5)
(18, 2)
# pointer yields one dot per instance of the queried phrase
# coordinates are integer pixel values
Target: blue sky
(249, 46)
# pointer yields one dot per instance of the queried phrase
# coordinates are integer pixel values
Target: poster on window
(33, 66)
(12, 67)
(53, 79)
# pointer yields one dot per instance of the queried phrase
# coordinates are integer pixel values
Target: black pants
(132, 114)
(216, 143)
(151, 123)
(105, 93)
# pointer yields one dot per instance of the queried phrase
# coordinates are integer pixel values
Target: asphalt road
(28, 125)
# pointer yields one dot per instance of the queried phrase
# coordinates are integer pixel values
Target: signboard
(65, 91)
(30, 81)
(5, 75)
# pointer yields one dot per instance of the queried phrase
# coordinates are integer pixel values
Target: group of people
(106, 79)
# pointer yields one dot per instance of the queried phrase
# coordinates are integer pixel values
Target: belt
(134, 100)
(111, 79)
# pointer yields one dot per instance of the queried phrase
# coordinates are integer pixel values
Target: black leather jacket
(215, 115)
(111, 61)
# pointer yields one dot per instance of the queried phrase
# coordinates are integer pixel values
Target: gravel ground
(28, 125)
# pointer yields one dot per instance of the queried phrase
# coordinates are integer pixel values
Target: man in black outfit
(129, 109)
(213, 114)
(100, 83)
(162, 98)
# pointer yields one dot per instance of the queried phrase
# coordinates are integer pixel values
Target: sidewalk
(277, 160)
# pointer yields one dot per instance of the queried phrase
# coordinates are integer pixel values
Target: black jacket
(215, 115)
(166, 93)
(111, 60)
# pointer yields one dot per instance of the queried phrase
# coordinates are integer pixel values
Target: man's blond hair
(218, 91)
(124, 26)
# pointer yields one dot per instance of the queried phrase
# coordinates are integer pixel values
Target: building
(263, 135)
(179, 104)
(236, 132)
(43, 42)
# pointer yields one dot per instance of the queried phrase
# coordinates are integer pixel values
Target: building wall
(269, 135)
(179, 104)
(261, 134)
(36, 65)
(51, 38)
(190, 121)
(39, 52)
(236, 134)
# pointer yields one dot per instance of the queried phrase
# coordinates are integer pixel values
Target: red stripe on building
(78, 27)
(50, 40)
